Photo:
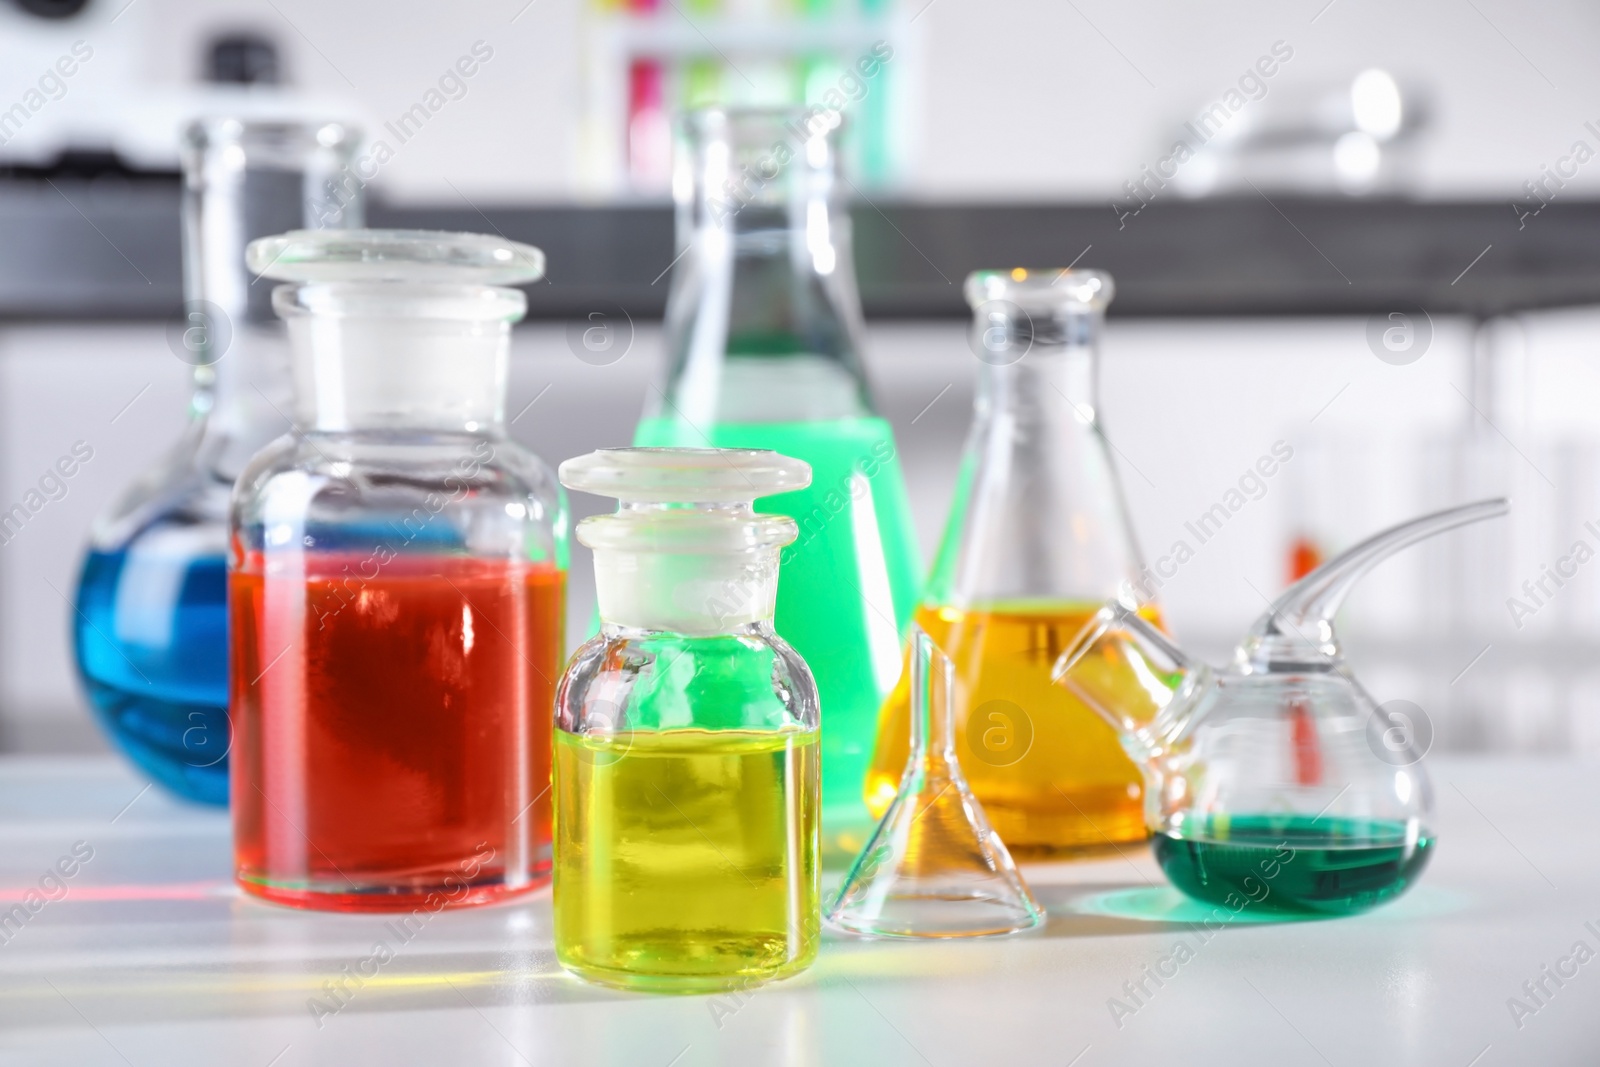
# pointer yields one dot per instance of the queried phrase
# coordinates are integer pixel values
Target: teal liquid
(1294, 864)
(847, 586)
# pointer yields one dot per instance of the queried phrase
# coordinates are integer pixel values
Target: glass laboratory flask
(763, 341)
(396, 570)
(1038, 538)
(150, 630)
(1279, 784)
(686, 773)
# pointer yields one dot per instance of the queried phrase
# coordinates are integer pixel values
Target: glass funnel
(934, 867)
(1278, 784)
(763, 343)
(686, 773)
(1038, 538)
(150, 630)
(397, 570)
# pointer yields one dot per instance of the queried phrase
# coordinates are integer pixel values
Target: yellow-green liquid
(686, 860)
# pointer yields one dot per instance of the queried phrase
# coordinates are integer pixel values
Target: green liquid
(847, 586)
(1294, 864)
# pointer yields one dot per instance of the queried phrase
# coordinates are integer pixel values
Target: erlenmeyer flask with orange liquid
(1038, 538)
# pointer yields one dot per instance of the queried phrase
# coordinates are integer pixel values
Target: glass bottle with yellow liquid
(1037, 540)
(686, 757)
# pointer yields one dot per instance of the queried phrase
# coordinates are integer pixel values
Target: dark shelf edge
(97, 250)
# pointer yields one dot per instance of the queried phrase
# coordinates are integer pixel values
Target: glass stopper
(422, 256)
(934, 867)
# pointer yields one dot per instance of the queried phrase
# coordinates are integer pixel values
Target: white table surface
(152, 957)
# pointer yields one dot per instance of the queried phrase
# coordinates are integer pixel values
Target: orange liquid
(1051, 775)
(1304, 557)
(392, 735)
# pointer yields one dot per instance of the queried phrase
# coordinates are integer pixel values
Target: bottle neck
(249, 179)
(243, 400)
(1052, 386)
(763, 319)
(1038, 513)
(698, 569)
(244, 180)
(393, 356)
(694, 594)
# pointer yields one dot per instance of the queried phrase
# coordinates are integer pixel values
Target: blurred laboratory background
(1364, 234)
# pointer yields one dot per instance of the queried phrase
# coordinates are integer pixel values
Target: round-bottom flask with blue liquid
(151, 638)
(150, 627)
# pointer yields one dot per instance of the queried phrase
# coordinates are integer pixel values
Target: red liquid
(392, 735)
(1304, 557)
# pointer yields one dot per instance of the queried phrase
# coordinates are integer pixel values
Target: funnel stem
(932, 728)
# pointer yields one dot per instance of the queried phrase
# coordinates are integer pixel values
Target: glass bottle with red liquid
(396, 581)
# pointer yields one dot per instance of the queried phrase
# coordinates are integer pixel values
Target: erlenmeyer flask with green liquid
(763, 346)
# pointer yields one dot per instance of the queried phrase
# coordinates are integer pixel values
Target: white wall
(1025, 98)
(1032, 98)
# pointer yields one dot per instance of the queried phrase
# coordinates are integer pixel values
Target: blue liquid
(151, 636)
